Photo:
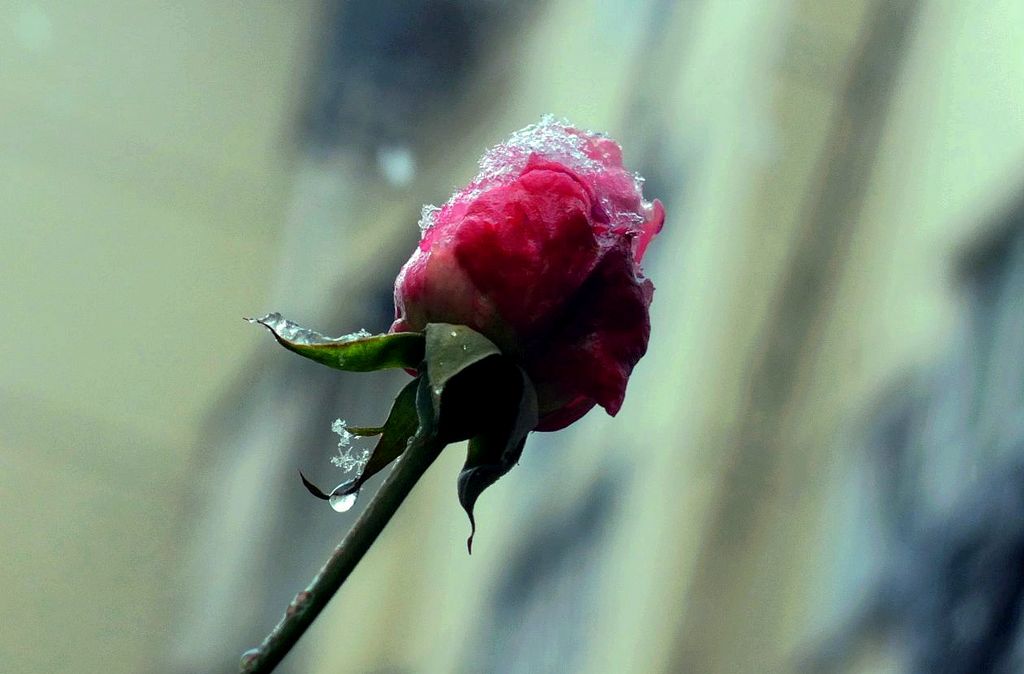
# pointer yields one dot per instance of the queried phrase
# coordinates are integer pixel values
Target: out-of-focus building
(815, 465)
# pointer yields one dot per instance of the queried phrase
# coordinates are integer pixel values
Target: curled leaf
(402, 423)
(497, 449)
(358, 352)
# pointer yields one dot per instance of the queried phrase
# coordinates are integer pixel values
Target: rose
(538, 258)
(541, 253)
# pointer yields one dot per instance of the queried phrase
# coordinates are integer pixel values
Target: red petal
(593, 350)
(529, 245)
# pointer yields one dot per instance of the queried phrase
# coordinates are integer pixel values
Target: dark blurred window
(945, 478)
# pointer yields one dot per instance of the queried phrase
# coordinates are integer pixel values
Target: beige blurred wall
(144, 172)
(750, 93)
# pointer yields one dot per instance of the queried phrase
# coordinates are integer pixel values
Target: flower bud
(541, 254)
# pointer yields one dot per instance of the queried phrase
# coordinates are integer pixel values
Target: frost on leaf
(295, 333)
(355, 352)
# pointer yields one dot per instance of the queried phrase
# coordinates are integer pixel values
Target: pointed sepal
(449, 351)
(497, 448)
(402, 423)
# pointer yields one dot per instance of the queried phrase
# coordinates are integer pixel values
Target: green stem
(307, 605)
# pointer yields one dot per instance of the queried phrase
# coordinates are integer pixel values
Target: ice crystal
(554, 139)
(349, 458)
(292, 332)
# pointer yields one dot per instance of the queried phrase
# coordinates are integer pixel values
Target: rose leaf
(358, 352)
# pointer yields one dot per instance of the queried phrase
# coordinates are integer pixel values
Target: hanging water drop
(342, 502)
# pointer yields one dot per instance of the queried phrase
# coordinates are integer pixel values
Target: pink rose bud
(541, 254)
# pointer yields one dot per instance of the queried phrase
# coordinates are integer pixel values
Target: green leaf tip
(313, 489)
(493, 452)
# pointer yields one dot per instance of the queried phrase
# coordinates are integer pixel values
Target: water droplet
(299, 603)
(249, 660)
(343, 502)
(397, 163)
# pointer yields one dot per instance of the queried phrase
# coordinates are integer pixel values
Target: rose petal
(540, 253)
(528, 245)
(591, 354)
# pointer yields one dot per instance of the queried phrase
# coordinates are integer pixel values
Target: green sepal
(498, 447)
(411, 421)
(480, 395)
(402, 423)
(354, 353)
(449, 350)
(466, 389)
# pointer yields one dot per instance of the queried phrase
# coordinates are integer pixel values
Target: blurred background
(820, 462)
